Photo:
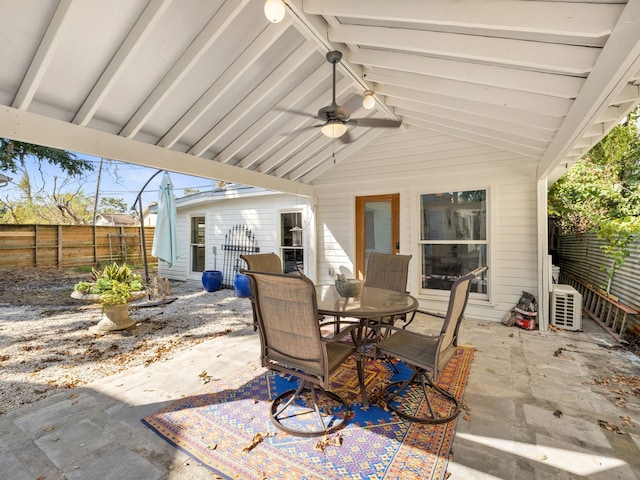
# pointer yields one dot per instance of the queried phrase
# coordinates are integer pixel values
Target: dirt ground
(38, 287)
(46, 346)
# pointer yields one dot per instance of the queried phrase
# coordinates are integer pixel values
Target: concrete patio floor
(534, 401)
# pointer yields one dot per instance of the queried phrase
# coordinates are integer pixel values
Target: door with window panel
(197, 244)
(453, 238)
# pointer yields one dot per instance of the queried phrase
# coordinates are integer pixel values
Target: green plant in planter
(114, 284)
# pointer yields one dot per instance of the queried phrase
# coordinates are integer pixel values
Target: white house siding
(512, 205)
(260, 214)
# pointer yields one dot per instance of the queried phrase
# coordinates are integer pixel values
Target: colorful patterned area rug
(218, 427)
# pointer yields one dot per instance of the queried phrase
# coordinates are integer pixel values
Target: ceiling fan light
(368, 101)
(274, 10)
(333, 129)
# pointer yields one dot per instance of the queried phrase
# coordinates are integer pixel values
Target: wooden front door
(377, 227)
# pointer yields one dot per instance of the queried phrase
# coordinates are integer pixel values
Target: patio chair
(261, 262)
(291, 343)
(388, 271)
(427, 356)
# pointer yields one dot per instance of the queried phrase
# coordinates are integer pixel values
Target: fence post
(59, 265)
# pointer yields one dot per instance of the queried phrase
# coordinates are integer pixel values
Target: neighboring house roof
(119, 219)
(227, 95)
(228, 193)
(4, 180)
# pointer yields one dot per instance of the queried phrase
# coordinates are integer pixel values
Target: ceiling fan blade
(353, 103)
(301, 129)
(345, 137)
(296, 112)
(375, 122)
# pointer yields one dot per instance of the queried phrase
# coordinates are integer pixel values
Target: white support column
(543, 257)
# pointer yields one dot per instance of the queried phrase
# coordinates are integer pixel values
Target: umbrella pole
(144, 243)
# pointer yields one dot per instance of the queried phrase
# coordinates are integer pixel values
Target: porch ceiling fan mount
(337, 119)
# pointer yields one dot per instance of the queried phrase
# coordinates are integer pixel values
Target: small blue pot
(241, 285)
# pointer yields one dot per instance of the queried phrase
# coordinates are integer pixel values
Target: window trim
(303, 246)
(491, 235)
(193, 216)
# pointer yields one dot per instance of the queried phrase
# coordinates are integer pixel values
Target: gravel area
(46, 346)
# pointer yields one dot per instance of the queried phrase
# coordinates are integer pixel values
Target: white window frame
(491, 226)
(302, 247)
(191, 271)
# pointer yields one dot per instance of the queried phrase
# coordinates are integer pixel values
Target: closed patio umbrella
(165, 241)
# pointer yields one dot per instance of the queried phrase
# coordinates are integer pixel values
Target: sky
(118, 180)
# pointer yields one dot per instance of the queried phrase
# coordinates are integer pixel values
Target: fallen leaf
(558, 352)
(558, 413)
(73, 395)
(212, 446)
(258, 438)
(542, 456)
(467, 418)
(327, 441)
(626, 421)
(49, 429)
(204, 377)
(612, 427)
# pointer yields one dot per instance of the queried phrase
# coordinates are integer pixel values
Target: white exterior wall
(260, 214)
(512, 205)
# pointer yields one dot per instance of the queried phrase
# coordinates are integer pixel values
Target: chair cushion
(411, 348)
(338, 352)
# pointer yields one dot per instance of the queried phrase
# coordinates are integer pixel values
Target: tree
(601, 193)
(37, 205)
(190, 191)
(112, 205)
(13, 153)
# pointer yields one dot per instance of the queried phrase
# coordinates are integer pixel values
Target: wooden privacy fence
(62, 246)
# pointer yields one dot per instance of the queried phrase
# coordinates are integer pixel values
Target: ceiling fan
(336, 118)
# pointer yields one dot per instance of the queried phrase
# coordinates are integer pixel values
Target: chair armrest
(423, 312)
(385, 326)
(351, 329)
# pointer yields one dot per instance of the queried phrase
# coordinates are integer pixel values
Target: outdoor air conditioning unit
(566, 307)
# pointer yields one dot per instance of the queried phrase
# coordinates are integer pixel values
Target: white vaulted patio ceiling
(208, 87)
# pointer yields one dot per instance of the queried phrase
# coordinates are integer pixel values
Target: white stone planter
(114, 317)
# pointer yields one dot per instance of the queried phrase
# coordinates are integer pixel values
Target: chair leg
(431, 392)
(291, 415)
(363, 390)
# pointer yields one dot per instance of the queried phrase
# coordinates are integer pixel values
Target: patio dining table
(372, 303)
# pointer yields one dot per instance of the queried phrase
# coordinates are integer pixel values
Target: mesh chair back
(388, 271)
(263, 262)
(287, 313)
(455, 312)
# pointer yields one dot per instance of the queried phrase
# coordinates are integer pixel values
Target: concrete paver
(508, 430)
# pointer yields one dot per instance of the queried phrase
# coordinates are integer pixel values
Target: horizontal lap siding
(514, 265)
(257, 213)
